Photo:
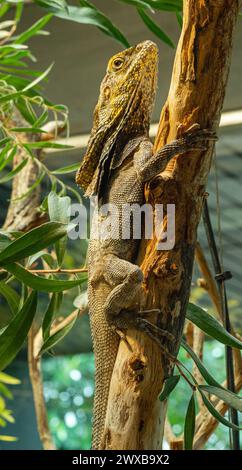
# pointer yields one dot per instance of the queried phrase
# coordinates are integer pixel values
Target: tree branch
(135, 417)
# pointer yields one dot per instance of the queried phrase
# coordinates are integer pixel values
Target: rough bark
(23, 211)
(135, 417)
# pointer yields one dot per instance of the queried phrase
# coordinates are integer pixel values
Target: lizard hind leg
(127, 280)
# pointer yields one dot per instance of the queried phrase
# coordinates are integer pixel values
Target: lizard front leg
(149, 165)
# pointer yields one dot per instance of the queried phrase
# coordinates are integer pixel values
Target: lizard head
(124, 106)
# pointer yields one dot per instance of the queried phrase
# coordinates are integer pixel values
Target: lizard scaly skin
(117, 164)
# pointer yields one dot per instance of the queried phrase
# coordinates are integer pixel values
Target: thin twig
(53, 271)
(38, 395)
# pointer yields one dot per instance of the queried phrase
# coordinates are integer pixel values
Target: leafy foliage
(6, 414)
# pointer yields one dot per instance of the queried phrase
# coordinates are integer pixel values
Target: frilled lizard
(118, 162)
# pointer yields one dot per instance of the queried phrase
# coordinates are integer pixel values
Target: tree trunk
(135, 416)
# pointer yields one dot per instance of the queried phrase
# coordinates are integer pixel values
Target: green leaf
(4, 241)
(163, 5)
(52, 309)
(34, 185)
(5, 391)
(38, 79)
(169, 385)
(47, 145)
(216, 414)
(92, 16)
(33, 30)
(8, 379)
(42, 284)
(8, 438)
(41, 120)
(28, 129)
(29, 86)
(13, 337)
(66, 169)
(9, 158)
(32, 259)
(58, 336)
(189, 428)
(14, 172)
(33, 241)
(204, 372)
(26, 110)
(211, 326)
(154, 28)
(59, 212)
(5, 141)
(179, 19)
(138, 3)
(228, 397)
(11, 297)
(59, 4)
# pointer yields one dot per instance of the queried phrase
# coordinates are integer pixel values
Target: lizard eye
(117, 63)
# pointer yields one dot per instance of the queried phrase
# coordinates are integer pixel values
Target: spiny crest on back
(124, 106)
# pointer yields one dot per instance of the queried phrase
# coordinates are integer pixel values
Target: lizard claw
(127, 319)
(123, 337)
(196, 135)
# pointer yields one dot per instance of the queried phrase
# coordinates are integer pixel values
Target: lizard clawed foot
(127, 319)
(196, 137)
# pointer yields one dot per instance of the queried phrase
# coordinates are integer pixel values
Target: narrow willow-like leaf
(169, 385)
(56, 337)
(228, 397)
(35, 28)
(52, 309)
(211, 326)
(163, 5)
(202, 369)
(33, 241)
(11, 297)
(155, 29)
(189, 427)
(42, 284)
(47, 145)
(66, 169)
(8, 379)
(13, 336)
(14, 172)
(216, 414)
(92, 16)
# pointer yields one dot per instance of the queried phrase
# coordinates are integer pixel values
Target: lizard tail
(105, 348)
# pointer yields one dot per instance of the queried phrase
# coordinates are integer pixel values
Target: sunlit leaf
(8, 379)
(66, 169)
(33, 30)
